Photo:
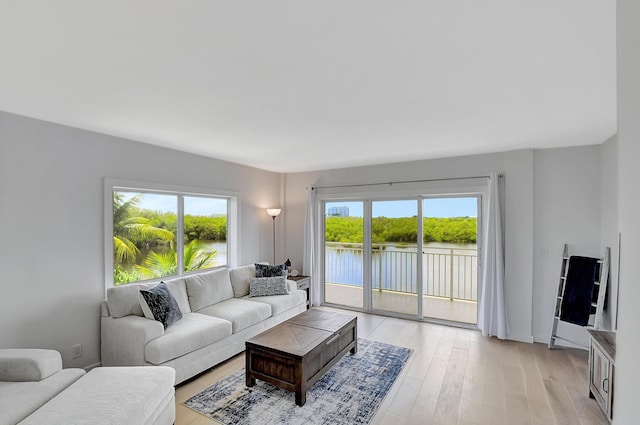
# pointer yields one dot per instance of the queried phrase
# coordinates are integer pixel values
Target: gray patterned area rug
(349, 393)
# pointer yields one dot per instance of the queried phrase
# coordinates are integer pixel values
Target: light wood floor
(458, 377)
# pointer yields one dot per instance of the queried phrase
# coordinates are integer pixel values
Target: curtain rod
(500, 175)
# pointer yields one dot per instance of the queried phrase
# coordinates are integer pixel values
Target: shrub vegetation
(460, 230)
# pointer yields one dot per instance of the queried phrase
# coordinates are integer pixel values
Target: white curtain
(309, 261)
(492, 313)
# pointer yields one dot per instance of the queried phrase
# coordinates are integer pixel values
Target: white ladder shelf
(597, 307)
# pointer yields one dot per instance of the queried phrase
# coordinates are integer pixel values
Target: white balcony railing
(448, 272)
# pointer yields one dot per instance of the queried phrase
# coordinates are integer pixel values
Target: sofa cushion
(263, 286)
(266, 270)
(240, 279)
(281, 303)
(240, 312)
(28, 364)
(209, 288)
(178, 288)
(109, 395)
(192, 332)
(159, 304)
(123, 300)
(19, 399)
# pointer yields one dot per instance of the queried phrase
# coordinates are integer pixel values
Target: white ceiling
(303, 85)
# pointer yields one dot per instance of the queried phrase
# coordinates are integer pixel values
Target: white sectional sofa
(218, 316)
(35, 390)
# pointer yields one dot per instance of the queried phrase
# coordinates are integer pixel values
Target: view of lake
(450, 269)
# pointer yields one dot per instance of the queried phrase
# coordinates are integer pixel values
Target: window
(154, 233)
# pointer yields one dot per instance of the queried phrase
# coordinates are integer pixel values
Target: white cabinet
(602, 354)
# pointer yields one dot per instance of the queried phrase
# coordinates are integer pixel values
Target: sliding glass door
(450, 258)
(394, 256)
(407, 257)
(343, 253)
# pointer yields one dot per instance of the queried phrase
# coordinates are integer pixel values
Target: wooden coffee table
(296, 353)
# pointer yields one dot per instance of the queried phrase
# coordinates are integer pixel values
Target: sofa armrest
(28, 364)
(293, 286)
(104, 309)
(123, 339)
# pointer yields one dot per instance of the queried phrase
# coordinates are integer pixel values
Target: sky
(192, 205)
(434, 207)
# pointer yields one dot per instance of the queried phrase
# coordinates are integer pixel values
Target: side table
(303, 282)
(602, 365)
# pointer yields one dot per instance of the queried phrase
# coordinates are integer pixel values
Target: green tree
(205, 228)
(450, 229)
(196, 258)
(159, 265)
(131, 229)
(344, 229)
(403, 229)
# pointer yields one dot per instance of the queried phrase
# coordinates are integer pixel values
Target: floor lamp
(274, 212)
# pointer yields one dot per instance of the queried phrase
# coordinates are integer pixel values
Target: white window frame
(233, 236)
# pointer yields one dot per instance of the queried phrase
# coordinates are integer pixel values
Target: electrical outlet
(77, 351)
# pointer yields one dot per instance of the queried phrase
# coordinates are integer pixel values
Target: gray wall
(609, 218)
(51, 212)
(573, 205)
(553, 196)
(625, 408)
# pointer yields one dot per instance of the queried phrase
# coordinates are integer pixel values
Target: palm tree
(158, 265)
(129, 229)
(196, 258)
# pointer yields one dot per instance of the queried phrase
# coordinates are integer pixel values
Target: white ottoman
(113, 396)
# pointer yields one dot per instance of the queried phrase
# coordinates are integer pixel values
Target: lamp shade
(274, 212)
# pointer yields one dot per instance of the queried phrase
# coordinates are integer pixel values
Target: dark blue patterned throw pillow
(162, 304)
(266, 270)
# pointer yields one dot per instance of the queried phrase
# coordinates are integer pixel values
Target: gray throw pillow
(264, 286)
(162, 305)
(266, 270)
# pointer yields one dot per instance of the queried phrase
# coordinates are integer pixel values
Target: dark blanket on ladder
(578, 290)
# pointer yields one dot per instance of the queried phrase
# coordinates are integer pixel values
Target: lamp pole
(274, 212)
(274, 239)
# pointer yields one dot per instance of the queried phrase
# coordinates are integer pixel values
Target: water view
(449, 269)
